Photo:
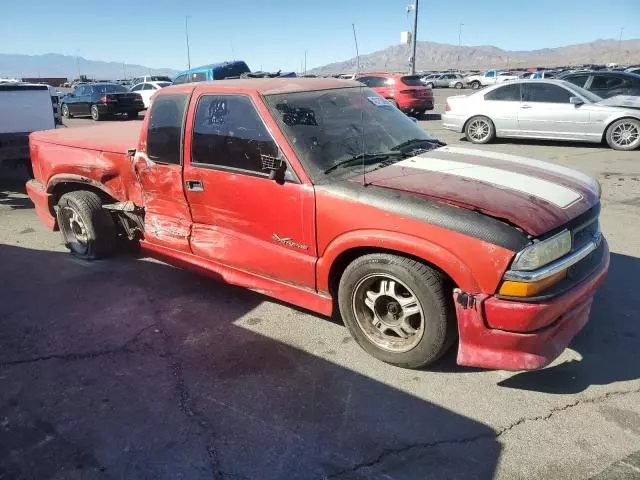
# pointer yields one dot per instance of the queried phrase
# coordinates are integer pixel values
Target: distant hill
(55, 65)
(433, 56)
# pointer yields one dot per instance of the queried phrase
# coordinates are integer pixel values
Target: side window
(606, 82)
(198, 77)
(228, 132)
(490, 74)
(179, 79)
(81, 90)
(366, 80)
(164, 136)
(508, 93)
(148, 86)
(544, 93)
(579, 80)
(137, 87)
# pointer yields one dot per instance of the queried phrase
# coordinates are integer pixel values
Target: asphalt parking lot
(129, 368)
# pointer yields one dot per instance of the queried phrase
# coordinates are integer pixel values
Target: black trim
(250, 173)
(576, 274)
(18, 87)
(461, 220)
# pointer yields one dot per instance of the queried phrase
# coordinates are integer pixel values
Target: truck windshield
(328, 127)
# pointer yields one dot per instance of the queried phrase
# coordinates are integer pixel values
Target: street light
(186, 34)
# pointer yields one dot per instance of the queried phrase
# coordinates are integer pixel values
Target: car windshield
(329, 127)
(110, 88)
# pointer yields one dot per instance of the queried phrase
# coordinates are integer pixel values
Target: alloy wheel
(388, 312)
(626, 135)
(479, 130)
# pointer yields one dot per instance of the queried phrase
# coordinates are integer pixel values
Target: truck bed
(114, 137)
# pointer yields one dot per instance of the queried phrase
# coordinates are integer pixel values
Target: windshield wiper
(364, 158)
(419, 141)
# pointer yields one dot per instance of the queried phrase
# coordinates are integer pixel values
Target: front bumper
(42, 201)
(532, 346)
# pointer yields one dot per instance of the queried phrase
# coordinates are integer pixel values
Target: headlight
(544, 252)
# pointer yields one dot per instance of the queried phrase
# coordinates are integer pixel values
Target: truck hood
(534, 195)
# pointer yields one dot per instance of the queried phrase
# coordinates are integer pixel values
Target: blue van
(215, 71)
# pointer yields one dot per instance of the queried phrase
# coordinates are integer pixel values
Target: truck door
(157, 166)
(241, 218)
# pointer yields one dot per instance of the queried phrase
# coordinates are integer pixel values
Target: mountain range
(56, 65)
(435, 56)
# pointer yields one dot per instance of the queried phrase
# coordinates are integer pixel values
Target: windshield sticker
(379, 101)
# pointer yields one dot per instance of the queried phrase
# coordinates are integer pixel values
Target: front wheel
(624, 134)
(475, 85)
(429, 85)
(88, 230)
(397, 309)
(95, 113)
(480, 130)
(65, 111)
(459, 85)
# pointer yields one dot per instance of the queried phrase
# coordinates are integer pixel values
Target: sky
(274, 34)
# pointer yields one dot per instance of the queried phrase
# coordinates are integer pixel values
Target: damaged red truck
(320, 193)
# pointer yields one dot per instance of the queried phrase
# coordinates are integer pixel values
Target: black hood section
(428, 210)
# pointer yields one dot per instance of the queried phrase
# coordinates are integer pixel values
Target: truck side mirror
(276, 166)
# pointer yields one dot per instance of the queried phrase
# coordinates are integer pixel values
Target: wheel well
(604, 133)
(65, 187)
(345, 258)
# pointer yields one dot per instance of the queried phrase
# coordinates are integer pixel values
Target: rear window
(164, 136)
(109, 88)
(160, 78)
(412, 81)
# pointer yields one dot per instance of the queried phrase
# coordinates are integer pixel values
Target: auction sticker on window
(379, 101)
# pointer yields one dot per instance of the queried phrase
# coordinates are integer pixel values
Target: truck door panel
(158, 169)
(241, 217)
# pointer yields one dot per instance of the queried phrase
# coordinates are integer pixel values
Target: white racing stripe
(531, 162)
(551, 192)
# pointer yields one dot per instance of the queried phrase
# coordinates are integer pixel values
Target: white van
(24, 108)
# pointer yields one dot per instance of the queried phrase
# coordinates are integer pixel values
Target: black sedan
(606, 84)
(100, 100)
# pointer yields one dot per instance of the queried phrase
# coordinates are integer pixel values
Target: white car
(490, 77)
(545, 109)
(147, 89)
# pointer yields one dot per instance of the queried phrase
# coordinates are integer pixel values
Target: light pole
(459, 43)
(620, 42)
(186, 34)
(78, 61)
(305, 61)
(414, 38)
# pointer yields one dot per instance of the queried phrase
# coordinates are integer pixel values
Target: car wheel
(480, 130)
(132, 115)
(65, 111)
(397, 309)
(475, 85)
(88, 230)
(459, 85)
(624, 134)
(95, 113)
(429, 85)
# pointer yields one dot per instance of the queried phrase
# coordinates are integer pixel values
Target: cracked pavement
(129, 368)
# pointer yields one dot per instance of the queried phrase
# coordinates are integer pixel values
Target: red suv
(406, 92)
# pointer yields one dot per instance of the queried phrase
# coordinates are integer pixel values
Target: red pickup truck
(320, 193)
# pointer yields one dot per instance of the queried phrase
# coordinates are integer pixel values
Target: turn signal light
(529, 289)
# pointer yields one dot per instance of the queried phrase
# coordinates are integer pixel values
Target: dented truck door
(241, 217)
(158, 167)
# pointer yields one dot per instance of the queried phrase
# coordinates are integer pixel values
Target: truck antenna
(355, 40)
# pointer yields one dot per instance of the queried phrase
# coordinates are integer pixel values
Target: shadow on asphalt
(541, 143)
(608, 344)
(129, 368)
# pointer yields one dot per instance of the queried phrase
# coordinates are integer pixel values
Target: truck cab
(320, 193)
(215, 71)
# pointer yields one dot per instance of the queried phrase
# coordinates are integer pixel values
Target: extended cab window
(228, 132)
(180, 79)
(164, 136)
(508, 93)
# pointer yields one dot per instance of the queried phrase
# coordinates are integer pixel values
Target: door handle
(194, 185)
(524, 107)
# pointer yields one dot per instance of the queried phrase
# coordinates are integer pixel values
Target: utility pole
(186, 34)
(459, 43)
(414, 38)
(305, 61)
(620, 45)
(78, 61)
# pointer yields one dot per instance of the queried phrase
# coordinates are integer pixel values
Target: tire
(475, 85)
(419, 287)
(624, 134)
(88, 230)
(475, 135)
(132, 115)
(429, 85)
(65, 111)
(459, 85)
(95, 113)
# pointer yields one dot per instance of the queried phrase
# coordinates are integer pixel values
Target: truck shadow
(608, 344)
(129, 368)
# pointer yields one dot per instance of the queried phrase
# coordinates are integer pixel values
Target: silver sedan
(545, 109)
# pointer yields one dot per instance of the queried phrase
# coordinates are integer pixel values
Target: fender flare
(418, 247)
(79, 179)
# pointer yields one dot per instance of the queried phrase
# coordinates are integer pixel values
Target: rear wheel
(95, 113)
(88, 230)
(65, 111)
(459, 85)
(480, 130)
(624, 134)
(396, 309)
(429, 85)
